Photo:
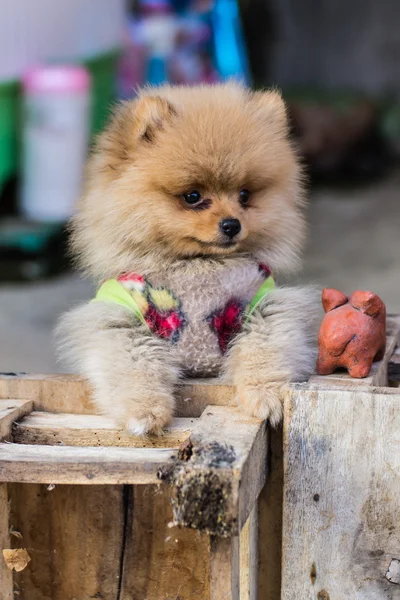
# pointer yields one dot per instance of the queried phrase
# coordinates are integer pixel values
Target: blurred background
(64, 64)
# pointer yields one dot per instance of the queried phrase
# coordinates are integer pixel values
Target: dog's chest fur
(199, 305)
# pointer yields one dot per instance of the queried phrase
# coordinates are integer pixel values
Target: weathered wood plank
(341, 498)
(92, 430)
(160, 562)
(193, 395)
(216, 485)
(248, 437)
(74, 536)
(248, 557)
(190, 569)
(270, 522)
(6, 578)
(225, 569)
(71, 393)
(254, 474)
(11, 411)
(308, 387)
(53, 393)
(394, 366)
(72, 465)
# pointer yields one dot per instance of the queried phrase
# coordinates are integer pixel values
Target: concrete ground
(354, 243)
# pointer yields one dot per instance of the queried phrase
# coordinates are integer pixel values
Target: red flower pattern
(227, 322)
(127, 277)
(166, 325)
(162, 319)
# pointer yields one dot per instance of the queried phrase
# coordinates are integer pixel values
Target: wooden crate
(92, 506)
(341, 499)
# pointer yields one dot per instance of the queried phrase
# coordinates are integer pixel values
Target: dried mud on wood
(202, 488)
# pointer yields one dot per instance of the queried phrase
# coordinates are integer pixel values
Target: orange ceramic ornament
(352, 333)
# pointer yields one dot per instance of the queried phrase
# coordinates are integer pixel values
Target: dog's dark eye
(244, 197)
(192, 198)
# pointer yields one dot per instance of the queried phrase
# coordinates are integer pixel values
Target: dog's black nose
(230, 227)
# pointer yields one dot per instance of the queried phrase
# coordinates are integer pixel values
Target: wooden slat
(270, 522)
(74, 536)
(253, 474)
(71, 393)
(225, 569)
(248, 437)
(394, 366)
(160, 562)
(6, 578)
(53, 393)
(248, 557)
(193, 395)
(308, 387)
(341, 498)
(71, 465)
(237, 436)
(92, 430)
(10, 412)
(228, 459)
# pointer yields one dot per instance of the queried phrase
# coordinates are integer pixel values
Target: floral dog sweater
(197, 305)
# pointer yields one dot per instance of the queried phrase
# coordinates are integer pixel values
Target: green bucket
(10, 98)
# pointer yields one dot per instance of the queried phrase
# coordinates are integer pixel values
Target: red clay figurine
(352, 333)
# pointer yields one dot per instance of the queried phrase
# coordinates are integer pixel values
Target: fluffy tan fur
(132, 217)
(276, 346)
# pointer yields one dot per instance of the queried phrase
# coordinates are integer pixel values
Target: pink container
(55, 140)
(52, 79)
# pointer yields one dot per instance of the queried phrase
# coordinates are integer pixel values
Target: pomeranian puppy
(193, 198)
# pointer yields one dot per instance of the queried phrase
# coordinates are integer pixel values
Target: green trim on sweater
(114, 292)
(266, 288)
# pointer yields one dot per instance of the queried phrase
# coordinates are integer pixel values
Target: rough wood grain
(225, 569)
(254, 474)
(74, 465)
(160, 562)
(341, 499)
(270, 522)
(53, 393)
(394, 366)
(92, 430)
(74, 536)
(248, 557)
(193, 395)
(6, 578)
(71, 393)
(10, 412)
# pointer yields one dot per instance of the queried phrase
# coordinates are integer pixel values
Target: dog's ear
(133, 122)
(271, 104)
(150, 114)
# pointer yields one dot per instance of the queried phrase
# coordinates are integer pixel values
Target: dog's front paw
(262, 401)
(150, 419)
(142, 412)
(150, 416)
